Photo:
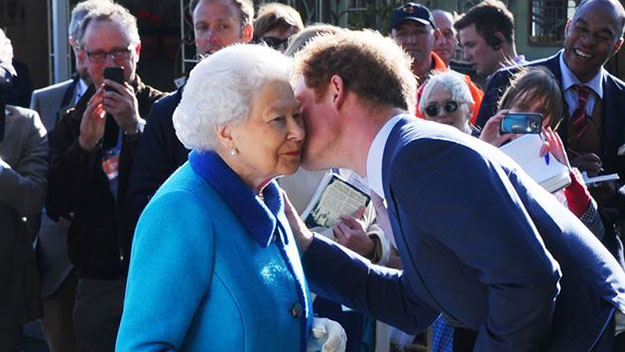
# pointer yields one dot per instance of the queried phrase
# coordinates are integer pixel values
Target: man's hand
(120, 101)
(92, 122)
(303, 236)
(590, 162)
(351, 233)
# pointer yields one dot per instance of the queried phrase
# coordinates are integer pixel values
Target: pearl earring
(233, 152)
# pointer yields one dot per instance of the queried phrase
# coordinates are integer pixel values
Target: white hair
(109, 11)
(449, 80)
(220, 90)
(6, 48)
(79, 12)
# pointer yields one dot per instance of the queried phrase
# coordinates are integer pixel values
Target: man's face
(320, 131)
(591, 38)
(217, 24)
(417, 40)
(111, 39)
(446, 41)
(482, 57)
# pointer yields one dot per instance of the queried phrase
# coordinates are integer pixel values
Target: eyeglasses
(274, 42)
(434, 109)
(97, 57)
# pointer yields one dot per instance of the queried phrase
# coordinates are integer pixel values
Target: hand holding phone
(521, 123)
(115, 74)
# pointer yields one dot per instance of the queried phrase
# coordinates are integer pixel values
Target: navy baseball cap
(414, 12)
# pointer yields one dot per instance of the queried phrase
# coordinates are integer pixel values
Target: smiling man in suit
(592, 126)
(479, 240)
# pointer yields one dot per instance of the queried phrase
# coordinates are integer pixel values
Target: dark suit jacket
(159, 153)
(54, 265)
(24, 156)
(480, 241)
(613, 134)
(613, 108)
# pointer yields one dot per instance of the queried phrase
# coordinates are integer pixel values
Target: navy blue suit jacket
(159, 153)
(480, 241)
(612, 109)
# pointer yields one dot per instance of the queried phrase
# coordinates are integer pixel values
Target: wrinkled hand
(351, 233)
(490, 132)
(590, 162)
(122, 104)
(554, 145)
(327, 336)
(92, 122)
(303, 236)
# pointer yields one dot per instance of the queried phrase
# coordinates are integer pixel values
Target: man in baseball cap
(412, 27)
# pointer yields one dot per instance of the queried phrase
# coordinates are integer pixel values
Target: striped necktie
(579, 119)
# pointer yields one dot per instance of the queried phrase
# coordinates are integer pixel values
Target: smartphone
(115, 74)
(521, 122)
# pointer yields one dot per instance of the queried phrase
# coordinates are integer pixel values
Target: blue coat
(480, 241)
(214, 269)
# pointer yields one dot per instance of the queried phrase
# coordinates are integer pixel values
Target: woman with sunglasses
(275, 23)
(446, 99)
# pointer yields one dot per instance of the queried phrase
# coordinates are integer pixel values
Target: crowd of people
(139, 220)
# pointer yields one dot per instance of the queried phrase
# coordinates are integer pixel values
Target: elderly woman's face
(442, 108)
(269, 142)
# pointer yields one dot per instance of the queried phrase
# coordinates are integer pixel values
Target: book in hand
(333, 198)
(547, 171)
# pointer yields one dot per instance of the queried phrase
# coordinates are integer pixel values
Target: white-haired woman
(446, 99)
(214, 264)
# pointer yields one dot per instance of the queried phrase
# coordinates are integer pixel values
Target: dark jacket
(159, 153)
(79, 190)
(24, 159)
(479, 241)
(612, 137)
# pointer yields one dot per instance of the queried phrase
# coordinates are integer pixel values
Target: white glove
(326, 336)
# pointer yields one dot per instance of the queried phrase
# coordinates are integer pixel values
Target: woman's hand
(303, 236)
(554, 144)
(326, 336)
(490, 132)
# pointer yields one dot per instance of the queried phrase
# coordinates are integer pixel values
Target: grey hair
(451, 81)
(79, 12)
(220, 90)
(113, 12)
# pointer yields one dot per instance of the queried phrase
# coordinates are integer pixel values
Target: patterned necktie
(381, 216)
(580, 117)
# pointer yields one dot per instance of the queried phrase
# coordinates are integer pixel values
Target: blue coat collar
(259, 218)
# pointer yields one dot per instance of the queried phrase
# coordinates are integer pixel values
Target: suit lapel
(68, 99)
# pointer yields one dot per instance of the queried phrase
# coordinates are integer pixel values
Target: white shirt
(81, 87)
(570, 94)
(376, 153)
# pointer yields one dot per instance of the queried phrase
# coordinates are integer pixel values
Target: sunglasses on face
(273, 42)
(434, 109)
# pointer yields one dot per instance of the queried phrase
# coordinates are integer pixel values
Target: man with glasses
(58, 275)
(92, 153)
(216, 24)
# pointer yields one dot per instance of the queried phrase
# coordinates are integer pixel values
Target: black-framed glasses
(434, 109)
(274, 42)
(97, 57)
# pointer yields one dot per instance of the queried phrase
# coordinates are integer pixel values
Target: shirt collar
(569, 79)
(259, 218)
(376, 153)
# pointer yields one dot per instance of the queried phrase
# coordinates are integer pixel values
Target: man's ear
(337, 91)
(247, 32)
(617, 46)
